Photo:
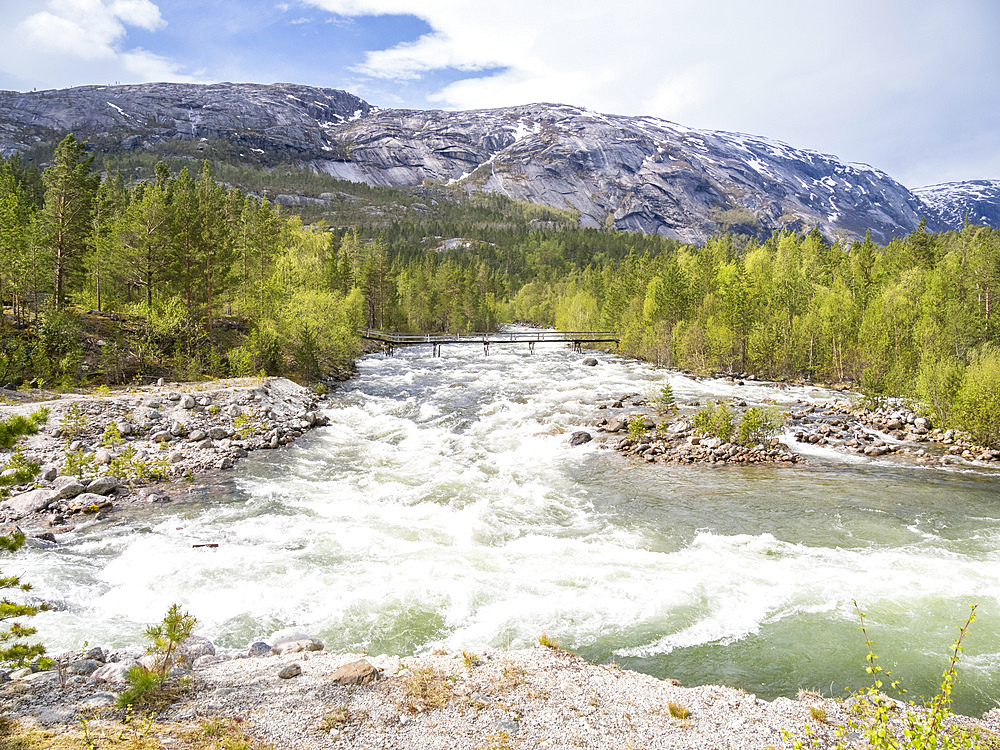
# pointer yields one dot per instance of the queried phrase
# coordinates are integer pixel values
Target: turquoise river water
(444, 507)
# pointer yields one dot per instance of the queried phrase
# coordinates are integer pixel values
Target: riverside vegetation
(105, 280)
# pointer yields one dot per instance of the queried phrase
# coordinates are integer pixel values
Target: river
(444, 507)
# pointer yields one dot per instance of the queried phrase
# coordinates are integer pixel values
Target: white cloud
(853, 77)
(74, 42)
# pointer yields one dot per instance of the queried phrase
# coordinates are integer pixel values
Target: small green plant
(714, 420)
(678, 710)
(818, 713)
(213, 410)
(103, 390)
(876, 718)
(73, 423)
(470, 659)
(18, 426)
(245, 424)
(545, 640)
(79, 463)
(146, 686)
(637, 427)
(759, 425)
(112, 436)
(129, 468)
(662, 399)
(24, 470)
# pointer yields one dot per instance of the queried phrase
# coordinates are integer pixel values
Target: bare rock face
(638, 174)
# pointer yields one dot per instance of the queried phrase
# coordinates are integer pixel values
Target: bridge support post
(486, 348)
(531, 347)
(437, 350)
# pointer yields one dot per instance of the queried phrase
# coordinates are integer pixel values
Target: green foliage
(74, 422)
(146, 685)
(758, 425)
(637, 427)
(128, 468)
(714, 420)
(79, 463)
(112, 436)
(977, 404)
(18, 426)
(24, 470)
(877, 719)
(13, 650)
(662, 399)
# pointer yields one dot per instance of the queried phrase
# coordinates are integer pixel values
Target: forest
(175, 271)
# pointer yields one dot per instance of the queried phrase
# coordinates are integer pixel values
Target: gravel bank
(103, 453)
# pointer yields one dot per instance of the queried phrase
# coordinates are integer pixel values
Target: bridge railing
(494, 337)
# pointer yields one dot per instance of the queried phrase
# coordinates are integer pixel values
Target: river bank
(101, 453)
(291, 696)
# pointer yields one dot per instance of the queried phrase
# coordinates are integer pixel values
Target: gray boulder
(259, 649)
(580, 437)
(114, 673)
(285, 646)
(292, 670)
(187, 401)
(590, 362)
(32, 502)
(196, 646)
(103, 485)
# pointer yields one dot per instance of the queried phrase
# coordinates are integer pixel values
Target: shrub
(977, 405)
(18, 426)
(927, 727)
(758, 425)
(637, 427)
(663, 400)
(147, 685)
(549, 642)
(714, 420)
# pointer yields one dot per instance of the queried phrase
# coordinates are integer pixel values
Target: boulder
(99, 700)
(259, 649)
(187, 401)
(196, 646)
(85, 667)
(160, 436)
(196, 436)
(590, 362)
(292, 670)
(102, 456)
(300, 644)
(114, 673)
(359, 672)
(88, 502)
(580, 437)
(103, 485)
(32, 502)
(218, 433)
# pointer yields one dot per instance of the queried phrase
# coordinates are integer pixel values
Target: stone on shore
(360, 672)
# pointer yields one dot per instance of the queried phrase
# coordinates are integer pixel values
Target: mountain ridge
(641, 174)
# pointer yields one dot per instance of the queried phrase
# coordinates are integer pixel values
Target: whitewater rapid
(444, 507)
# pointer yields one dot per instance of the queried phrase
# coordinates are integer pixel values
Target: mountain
(638, 174)
(979, 200)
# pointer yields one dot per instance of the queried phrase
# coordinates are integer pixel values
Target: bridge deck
(392, 339)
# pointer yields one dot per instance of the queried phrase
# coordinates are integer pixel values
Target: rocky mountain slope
(979, 200)
(636, 173)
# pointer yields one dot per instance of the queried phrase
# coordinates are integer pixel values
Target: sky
(908, 86)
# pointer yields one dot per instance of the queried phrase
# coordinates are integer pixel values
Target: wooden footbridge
(391, 339)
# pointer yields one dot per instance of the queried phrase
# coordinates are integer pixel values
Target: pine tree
(70, 187)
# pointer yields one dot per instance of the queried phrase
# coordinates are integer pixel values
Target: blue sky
(905, 85)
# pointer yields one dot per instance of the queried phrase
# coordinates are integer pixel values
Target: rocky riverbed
(292, 694)
(635, 429)
(99, 453)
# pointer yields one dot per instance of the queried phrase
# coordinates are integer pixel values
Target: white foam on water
(444, 506)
